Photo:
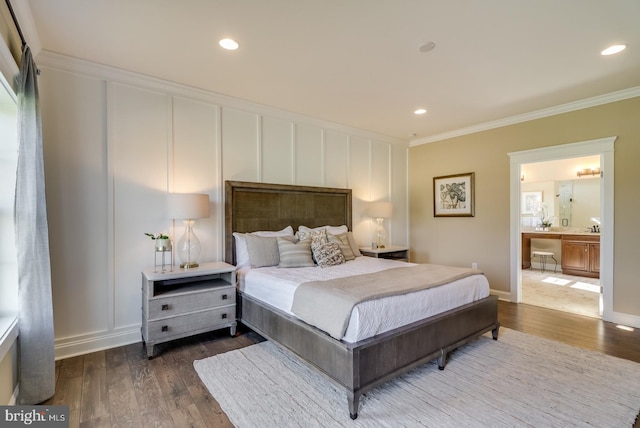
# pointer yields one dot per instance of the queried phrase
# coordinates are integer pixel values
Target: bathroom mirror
(569, 203)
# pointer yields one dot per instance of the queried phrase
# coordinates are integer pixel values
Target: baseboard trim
(625, 319)
(80, 345)
(502, 295)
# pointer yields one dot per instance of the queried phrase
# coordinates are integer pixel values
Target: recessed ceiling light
(420, 111)
(229, 44)
(427, 47)
(613, 49)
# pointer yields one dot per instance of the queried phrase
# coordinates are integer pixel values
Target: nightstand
(182, 302)
(389, 252)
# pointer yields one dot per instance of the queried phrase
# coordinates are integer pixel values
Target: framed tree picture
(454, 195)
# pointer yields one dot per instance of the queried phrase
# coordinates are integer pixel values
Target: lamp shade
(187, 206)
(380, 209)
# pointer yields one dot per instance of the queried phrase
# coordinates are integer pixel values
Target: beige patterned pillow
(315, 235)
(353, 244)
(343, 241)
(327, 253)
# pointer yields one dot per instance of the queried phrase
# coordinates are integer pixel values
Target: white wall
(116, 143)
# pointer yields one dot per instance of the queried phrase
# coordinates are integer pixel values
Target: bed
(356, 366)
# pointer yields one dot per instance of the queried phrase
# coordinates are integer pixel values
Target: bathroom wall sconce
(588, 171)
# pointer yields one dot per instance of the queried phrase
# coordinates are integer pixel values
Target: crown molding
(538, 114)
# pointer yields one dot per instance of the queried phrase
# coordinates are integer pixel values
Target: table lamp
(380, 211)
(187, 207)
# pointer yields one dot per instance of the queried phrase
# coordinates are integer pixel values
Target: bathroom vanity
(580, 251)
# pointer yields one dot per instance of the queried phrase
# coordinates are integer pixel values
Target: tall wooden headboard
(261, 206)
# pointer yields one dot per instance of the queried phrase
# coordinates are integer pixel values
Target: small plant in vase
(545, 224)
(161, 241)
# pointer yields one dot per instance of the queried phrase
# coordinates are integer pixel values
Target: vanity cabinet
(581, 255)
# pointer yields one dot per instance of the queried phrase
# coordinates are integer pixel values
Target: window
(8, 163)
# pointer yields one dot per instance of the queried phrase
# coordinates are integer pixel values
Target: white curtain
(36, 362)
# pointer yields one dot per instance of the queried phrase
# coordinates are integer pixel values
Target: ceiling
(358, 62)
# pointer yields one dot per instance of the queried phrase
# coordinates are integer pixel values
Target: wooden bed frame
(360, 366)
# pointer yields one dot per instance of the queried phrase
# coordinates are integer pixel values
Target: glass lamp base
(188, 248)
(189, 265)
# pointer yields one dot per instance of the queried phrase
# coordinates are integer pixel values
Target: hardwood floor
(120, 387)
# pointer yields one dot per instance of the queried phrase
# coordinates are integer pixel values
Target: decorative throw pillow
(327, 254)
(316, 235)
(353, 244)
(343, 242)
(263, 250)
(294, 254)
(242, 253)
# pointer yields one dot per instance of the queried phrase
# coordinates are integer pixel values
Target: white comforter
(276, 286)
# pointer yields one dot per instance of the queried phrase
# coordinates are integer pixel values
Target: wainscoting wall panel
(336, 159)
(140, 144)
(75, 152)
(277, 151)
(194, 167)
(116, 143)
(309, 155)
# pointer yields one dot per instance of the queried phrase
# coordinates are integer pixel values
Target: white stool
(543, 258)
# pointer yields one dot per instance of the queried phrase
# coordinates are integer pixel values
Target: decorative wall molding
(240, 135)
(100, 71)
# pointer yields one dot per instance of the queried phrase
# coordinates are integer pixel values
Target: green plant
(157, 235)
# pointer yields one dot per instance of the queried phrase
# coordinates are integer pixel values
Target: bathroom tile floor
(574, 294)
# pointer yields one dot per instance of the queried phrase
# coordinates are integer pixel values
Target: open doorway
(602, 148)
(560, 216)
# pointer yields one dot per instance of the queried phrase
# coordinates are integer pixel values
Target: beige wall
(485, 238)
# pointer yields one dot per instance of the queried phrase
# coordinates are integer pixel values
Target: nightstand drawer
(390, 252)
(177, 326)
(395, 255)
(162, 307)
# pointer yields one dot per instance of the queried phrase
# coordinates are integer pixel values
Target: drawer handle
(165, 328)
(224, 316)
(224, 297)
(165, 307)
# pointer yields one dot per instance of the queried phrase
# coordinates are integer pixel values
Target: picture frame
(454, 195)
(530, 201)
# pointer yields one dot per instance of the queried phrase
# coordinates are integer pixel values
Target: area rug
(519, 380)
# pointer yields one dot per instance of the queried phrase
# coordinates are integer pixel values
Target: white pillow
(242, 252)
(334, 230)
